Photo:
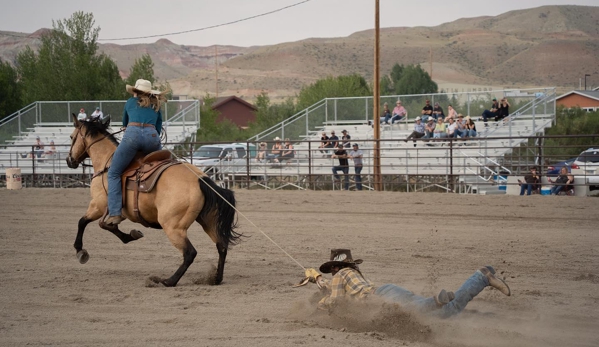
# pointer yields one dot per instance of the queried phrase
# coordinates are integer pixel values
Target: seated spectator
(333, 140)
(96, 115)
(38, 148)
(451, 112)
(563, 182)
(82, 116)
(418, 131)
(324, 143)
(504, 110)
(386, 114)
(276, 150)
(531, 182)
(440, 129)
(261, 155)
(287, 153)
(451, 129)
(470, 127)
(492, 113)
(50, 151)
(427, 110)
(429, 128)
(346, 139)
(438, 112)
(399, 112)
(460, 127)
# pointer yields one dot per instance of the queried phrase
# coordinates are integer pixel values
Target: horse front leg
(133, 235)
(82, 254)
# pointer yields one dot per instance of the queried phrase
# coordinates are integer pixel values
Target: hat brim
(328, 266)
(131, 90)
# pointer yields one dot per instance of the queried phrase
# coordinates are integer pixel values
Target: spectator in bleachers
(346, 138)
(440, 129)
(438, 112)
(287, 153)
(492, 113)
(504, 109)
(418, 131)
(276, 150)
(333, 140)
(96, 115)
(343, 166)
(563, 182)
(324, 143)
(451, 113)
(427, 110)
(461, 130)
(451, 129)
(50, 151)
(429, 128)
(386, 114)
(38, 148)
(399, 112)
(261, 155)
(531, 182)
(82, 116)
(470, 127)
(356, 154)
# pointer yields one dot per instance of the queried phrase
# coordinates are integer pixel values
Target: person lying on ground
(349, 282)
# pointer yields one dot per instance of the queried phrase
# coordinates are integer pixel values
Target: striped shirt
(347, 282)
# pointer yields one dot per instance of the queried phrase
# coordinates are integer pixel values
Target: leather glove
(312, 274)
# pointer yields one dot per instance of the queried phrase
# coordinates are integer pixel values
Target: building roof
(223, 100)
(592, 94)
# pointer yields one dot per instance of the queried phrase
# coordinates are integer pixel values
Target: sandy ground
(546, 247)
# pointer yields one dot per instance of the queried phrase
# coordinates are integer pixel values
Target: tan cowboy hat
(340, 258)
(143, 86)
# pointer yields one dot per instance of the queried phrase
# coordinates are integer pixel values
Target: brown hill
(544, 46)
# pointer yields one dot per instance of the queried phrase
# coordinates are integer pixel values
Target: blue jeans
(345, 171)
(471, 133)
(488, 114)
(526, 187)
(143, 139)
(358, 177)
(556, 189)
(396, 118)
(470, 289)
(461, 133)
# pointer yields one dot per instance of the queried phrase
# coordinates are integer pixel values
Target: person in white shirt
(82, 116)
(451, 128)
(97, 114)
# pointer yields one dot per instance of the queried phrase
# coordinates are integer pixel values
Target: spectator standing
(399, 112)
(531, 182)
(333, 140)
(427, 110)
(82, 116)
(563, 182)
(438, 112)
(356, 154)
(324, 143)
(346, 138)
(418, 131)
(97, 115)
(343, 166)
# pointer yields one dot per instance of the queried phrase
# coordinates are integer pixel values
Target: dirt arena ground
(547, 248)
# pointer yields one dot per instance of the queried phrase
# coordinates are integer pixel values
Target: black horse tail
(223, 211)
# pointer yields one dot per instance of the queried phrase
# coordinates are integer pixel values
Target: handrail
(17, 114)
(183, 112)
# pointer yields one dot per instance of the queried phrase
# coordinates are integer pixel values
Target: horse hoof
(83, 256)
(136, 234)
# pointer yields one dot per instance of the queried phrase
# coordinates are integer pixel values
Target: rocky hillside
(545, 46)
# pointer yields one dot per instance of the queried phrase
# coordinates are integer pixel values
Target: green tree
(414, 80)
(142, 68)
(10, 91)
(68, 65)
(573, 121)
(331, 87)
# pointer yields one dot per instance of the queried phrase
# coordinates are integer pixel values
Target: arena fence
(424, 165)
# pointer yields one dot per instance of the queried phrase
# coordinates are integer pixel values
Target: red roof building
(235, 109)
(585, 99)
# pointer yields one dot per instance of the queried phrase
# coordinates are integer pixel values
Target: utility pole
(378, 184)
(431, 60)
(216, 67)
(585, 80)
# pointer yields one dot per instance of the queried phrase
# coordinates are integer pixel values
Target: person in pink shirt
(451, 113)
(399, 112)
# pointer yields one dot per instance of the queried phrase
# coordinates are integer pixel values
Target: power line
(208, 27)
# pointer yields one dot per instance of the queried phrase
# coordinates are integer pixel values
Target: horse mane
(95, 128)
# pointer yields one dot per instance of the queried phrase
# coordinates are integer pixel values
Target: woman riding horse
(143, 122)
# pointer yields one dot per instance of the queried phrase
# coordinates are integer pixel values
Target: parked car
(220, 159)
(554, 169)
(588, 162)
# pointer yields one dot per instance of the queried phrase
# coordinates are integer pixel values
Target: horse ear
(105, 121)
(75, 120)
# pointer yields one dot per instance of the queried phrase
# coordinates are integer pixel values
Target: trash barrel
(13, 178)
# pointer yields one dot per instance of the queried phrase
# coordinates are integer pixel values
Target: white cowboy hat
(277, 138)
(143, 86)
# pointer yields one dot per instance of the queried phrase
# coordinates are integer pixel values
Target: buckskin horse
(176, 200)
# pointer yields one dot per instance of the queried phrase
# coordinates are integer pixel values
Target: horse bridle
(87, 147)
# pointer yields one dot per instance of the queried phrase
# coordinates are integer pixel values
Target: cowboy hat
(339, 258)
(277, 139)
(143, 86)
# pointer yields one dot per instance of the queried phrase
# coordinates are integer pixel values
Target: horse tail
(224, 211)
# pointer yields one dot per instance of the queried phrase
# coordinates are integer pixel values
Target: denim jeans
(526, 187)
(488, 114)
(345, 171)
(358, 177)
(396, 118)
(143, 139)
(556, 189)
(471, 133)
(470, 289)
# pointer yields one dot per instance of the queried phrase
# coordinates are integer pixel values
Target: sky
(314, 18)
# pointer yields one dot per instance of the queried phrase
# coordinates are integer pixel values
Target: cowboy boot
(444, 297)
(114, 220)
(495, 282)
